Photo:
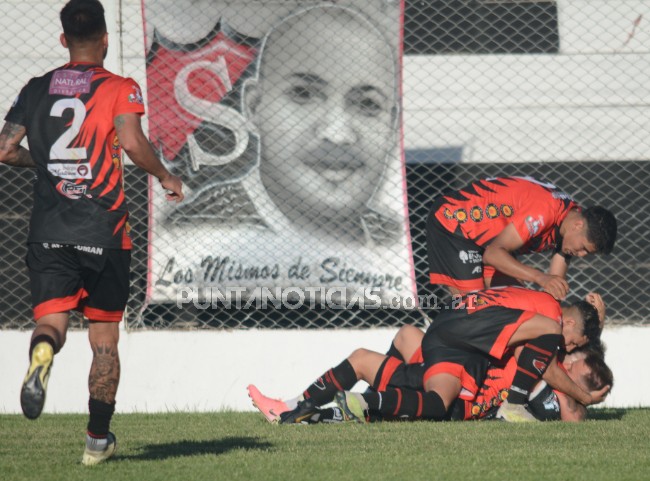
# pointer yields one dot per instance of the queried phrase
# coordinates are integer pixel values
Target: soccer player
(473, 234)
(585, 367)
(77, 119)
(500, 318)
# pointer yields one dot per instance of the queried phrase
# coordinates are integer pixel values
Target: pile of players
(500, 350)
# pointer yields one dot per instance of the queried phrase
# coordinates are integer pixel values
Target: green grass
(243, 446)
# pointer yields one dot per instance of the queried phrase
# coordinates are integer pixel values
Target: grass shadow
(193, 448)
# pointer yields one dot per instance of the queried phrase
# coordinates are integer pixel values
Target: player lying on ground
(475, 231)
(459, 346)
(585, 367)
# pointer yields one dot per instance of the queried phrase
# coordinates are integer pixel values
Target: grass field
(615, 445)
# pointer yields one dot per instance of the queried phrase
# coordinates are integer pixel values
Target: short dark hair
(601, 375)
(590, 320)
(601, 228)
(83, 20)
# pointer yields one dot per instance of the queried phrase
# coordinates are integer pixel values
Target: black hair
(590, 320)
(83, 20)
(601, 375)
(601, 228)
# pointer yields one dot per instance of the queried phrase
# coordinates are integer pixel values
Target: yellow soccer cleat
(515, 413)
(32, 394)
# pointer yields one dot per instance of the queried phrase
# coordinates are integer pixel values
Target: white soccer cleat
(92, 457)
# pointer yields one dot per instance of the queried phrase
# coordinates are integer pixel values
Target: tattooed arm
(11, 152)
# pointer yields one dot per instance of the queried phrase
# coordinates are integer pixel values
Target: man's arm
(136, 145)
(558, 379)
(559, 265)
(498, 254)
(570, 410)
(11, 152)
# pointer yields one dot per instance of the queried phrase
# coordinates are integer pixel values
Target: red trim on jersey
(456, 370)
(392, 363)
(95, 314)
(466, 286)
(539, 349)
(528, 373)
(60, 304)
(501, 344)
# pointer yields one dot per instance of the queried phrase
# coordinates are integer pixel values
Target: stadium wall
(207, 371)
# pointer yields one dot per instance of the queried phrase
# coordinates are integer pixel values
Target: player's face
(575, 242)
(573, 332)
(326, 95)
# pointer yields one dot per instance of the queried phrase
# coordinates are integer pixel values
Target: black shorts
(93, 280)
(453, 260)
(462, 343)
(396, 373)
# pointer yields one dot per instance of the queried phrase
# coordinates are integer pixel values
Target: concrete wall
(209, 370)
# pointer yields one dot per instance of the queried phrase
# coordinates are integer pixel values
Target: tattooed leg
(105, 369)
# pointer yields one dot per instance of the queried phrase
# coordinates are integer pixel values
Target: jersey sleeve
(129, 99)
(18, 112)
(539, 216)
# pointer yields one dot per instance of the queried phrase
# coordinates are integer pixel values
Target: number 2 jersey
(78, 193)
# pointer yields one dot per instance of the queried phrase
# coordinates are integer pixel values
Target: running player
(77, 119)
(475, 233)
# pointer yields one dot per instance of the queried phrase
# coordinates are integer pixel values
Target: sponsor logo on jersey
(470, 257)
(72, 190)
(71, 171)
(534, 225)
(70, 82)
(136, 96)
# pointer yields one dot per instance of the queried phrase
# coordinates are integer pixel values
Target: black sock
(339, 378)
(393, 352)
(100, 418)
(531, 365)
(43, 338)
(406, 404)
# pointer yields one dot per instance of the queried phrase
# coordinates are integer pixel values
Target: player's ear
(105, 40)
(63, 40)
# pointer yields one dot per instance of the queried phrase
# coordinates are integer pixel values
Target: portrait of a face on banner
(284, 124)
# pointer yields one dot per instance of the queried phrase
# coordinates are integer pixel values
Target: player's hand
(596, 300)
(173, 187)
(556, 286)
(600, 395)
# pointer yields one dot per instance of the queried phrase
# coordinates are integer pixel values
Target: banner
(284, 123)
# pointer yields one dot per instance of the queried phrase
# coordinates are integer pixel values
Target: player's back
(68, 114)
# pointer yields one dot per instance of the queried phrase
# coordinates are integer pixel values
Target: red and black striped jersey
(483, 209)
(78, 194)
(514, 297)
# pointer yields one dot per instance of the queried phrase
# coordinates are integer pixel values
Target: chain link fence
(255, 103)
